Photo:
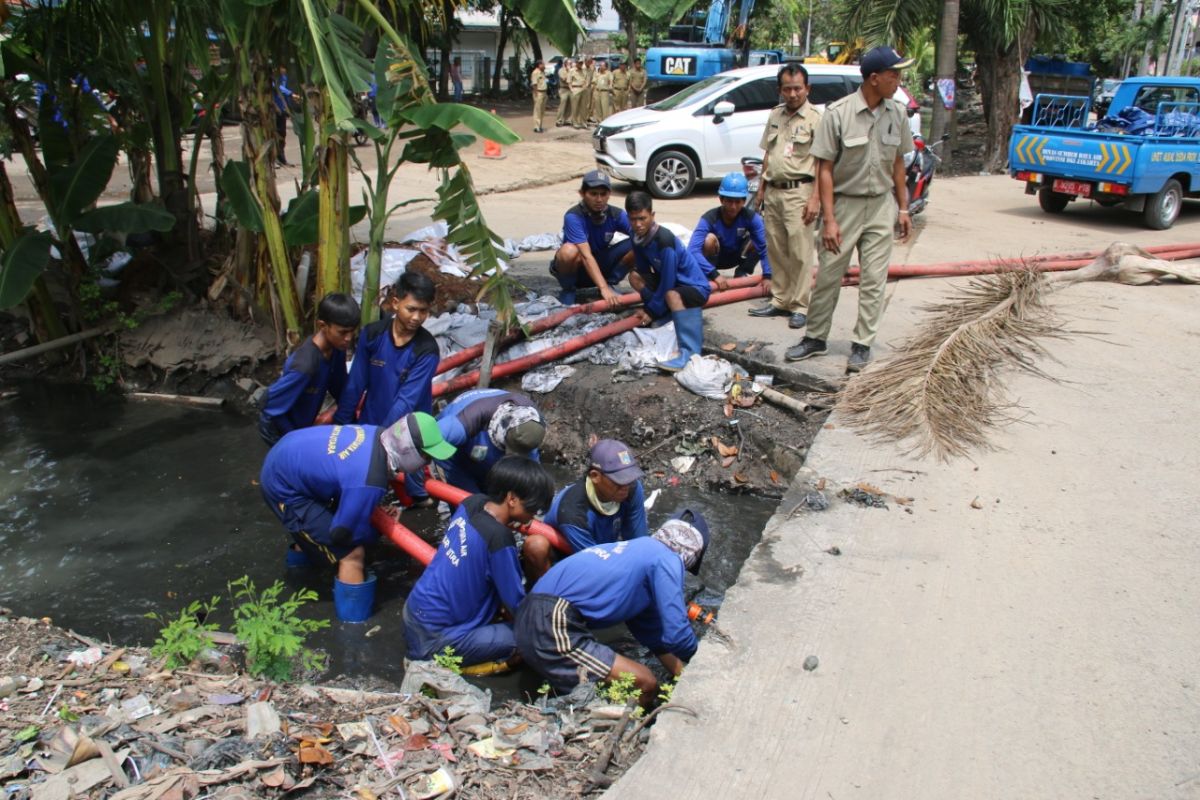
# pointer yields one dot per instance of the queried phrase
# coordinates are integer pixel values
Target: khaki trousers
(868, 225)
(603, 104)
(791, 246)
(565, 107)
(579, 103)
(620, 99)
(539, 108)
(637, 99)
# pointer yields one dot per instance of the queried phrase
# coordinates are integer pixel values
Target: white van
(704, 131)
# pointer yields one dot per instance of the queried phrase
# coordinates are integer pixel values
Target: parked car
(704, 131)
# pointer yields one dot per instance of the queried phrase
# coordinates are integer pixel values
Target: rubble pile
(80, 718)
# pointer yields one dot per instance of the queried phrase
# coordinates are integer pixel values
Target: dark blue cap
(882, 59)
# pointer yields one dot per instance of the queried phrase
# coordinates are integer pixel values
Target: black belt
(790, 184)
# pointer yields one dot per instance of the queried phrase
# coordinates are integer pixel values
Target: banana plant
(72, 192)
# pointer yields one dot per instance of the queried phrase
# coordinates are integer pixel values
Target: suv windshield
(695, 93)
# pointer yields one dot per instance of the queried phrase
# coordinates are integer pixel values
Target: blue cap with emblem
(882, 59)
(615, 460)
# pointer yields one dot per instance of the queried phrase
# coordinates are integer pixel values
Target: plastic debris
(86, 658)
(707, 376)
(546, 379)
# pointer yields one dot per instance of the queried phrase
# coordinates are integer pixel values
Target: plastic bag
(707, 376)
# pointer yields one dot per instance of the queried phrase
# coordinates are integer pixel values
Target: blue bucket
(352, 601)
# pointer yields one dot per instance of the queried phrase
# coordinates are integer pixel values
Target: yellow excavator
(838, 53)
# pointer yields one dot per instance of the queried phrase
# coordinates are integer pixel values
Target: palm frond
(943, 390)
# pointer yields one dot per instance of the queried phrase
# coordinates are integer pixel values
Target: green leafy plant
(448, 660)
(665, 690)
(182, 639)
(66, 714)
(622, 689)
(544, 689)
(271, 630)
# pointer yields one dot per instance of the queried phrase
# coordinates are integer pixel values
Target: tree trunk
(448, 12)
(333, 219)
(999, 78)
(47, 325)
(535, 41)
(502, 42)
(1147, 53)
(947, 67)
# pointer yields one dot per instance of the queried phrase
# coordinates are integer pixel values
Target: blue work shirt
(342, 465)
(747, 226)
(295, 398)
(573, 514)
(666, 259)
(281, 94)
(639, 582)
(397, 380)
(473, 572)
(464, 424)
(580, 226)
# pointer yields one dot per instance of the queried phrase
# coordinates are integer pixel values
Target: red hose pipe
(401, 536)
(454, 495)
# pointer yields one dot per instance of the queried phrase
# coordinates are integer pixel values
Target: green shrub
(181, 640)
(448, 660)
(271, 631)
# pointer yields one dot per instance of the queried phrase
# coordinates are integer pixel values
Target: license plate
(1080, 188)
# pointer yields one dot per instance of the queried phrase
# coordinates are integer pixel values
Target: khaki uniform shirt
(620, 80)
(604, 81)
(786, 141)
(589, 76)
(862, 145)
(577, 80)
(538, 80)
(637, 79)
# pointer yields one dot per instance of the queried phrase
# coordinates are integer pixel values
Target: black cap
(595, 180)
(882, 59)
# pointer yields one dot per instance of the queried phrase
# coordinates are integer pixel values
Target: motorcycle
(919, 166)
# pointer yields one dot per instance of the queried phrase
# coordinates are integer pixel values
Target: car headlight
(625, 128)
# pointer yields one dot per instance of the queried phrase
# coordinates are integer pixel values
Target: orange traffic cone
(491, 149)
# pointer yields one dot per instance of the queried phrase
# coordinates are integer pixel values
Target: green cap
(427, 436)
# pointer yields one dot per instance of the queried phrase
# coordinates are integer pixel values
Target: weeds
(665, 690)
(181, 640)
(622, 689)
(272, 633)
(448, 660)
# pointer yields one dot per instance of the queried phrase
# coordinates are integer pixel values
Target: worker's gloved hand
(341, 537)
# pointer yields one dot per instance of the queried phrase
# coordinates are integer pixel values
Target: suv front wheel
(671, 175)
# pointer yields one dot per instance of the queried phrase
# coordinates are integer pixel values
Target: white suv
(705, 130)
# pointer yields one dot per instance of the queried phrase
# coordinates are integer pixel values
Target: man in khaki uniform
(565, 106)
(787, 194)
(637, 84)
(620, 84)
(537, 81)
(860, 147)
(603, 89)
(581, 93)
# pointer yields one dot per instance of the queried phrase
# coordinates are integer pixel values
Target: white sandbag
(707, 376)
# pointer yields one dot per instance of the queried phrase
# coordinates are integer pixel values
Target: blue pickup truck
(1143, 155)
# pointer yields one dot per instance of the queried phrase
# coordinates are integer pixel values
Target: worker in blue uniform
(395, 360)
(323, 482)
(588, 256)
(484, 425)
(607, 505)
(731, 236)
(639, 583)
(668, 278)
(316, 367)
(475, 571)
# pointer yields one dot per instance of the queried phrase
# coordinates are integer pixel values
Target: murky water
(110, 509)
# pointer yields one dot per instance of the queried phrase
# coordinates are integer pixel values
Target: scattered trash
(707, 376)
(137, 707)
(865, 495)
(682, 464)
(546, 379)
(85, 658)
(811, 663)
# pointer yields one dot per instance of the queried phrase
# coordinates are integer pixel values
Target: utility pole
(1144, 68)
(947, 67)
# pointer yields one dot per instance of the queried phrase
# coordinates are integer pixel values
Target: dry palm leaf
(1127, 263)
(942, 389)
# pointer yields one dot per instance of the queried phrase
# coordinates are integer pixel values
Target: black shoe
(860, 356)
(798, 320)
(768, 310)
(807, 348)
